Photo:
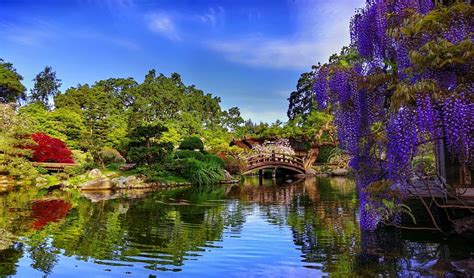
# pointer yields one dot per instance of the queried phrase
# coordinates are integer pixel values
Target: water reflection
(294, 229)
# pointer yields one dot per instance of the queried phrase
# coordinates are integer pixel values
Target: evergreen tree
(46, 86)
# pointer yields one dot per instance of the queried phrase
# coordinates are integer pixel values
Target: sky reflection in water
(309, 228)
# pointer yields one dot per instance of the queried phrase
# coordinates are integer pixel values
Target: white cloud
(322, 29)
(164, 25)
(264, 115)
(214, 16)
(35, 33)
(274, 53)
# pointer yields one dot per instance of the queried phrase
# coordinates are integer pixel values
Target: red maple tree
(50, 149)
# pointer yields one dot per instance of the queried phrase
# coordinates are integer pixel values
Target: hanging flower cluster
(412, 83)
(282, 146)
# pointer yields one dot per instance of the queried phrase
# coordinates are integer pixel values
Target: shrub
(153, 154)
(201, 156)
(50, 149)
(182, 154)
(192, 143)
(158, 173)
(81, 157)
(214, 159)
(75, 171)
(111, 155)
(202, 172)
(232, 164)
(324, 154)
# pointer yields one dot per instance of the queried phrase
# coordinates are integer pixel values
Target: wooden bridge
(53, 166)
(274, 161)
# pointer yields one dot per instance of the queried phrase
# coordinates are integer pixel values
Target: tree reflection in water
(169, 229)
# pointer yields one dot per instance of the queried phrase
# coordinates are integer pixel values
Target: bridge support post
(260, 177)
(274, 173)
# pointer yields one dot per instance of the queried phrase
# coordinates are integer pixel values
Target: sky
(250, 53)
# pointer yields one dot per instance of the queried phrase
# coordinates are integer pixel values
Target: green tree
(301, 101)
(11, 89)
(14, 133)
(104, 117)
(46, 86)
(144, 146)
(60, 123)
(232, 119)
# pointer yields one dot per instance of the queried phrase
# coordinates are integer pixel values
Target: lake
(279, 229)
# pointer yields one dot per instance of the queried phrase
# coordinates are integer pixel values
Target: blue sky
(250, 53)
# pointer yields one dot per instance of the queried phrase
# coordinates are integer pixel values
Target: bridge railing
(274, 157)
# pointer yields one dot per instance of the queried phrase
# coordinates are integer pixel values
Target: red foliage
(49, 211)
(50, 149)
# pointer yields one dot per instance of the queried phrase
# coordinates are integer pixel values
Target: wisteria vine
(398, 94)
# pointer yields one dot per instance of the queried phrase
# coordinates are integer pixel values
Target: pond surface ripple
(308, 228)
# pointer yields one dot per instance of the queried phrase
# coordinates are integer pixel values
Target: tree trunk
(311, 157)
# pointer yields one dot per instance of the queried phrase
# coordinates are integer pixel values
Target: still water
(302, 229)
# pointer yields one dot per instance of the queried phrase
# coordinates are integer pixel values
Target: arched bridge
(274, 161)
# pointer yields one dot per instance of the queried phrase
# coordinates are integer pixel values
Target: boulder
(111, 175)
(127, 167)
(340, 172)
(94, 174)
(120, 182)
(133, 181)
(99, 184)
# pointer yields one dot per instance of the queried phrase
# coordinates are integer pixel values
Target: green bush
(324, 154)
(153, 154)
(233, 165)
(201, 156)
(79, 170)
(158, 173)
(192, 143)
(182, 154)
(81, 157)
(111, 155)
(202, 172)
(214, 159)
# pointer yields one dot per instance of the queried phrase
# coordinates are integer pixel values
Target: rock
(340, 172)
(133, 181)
(289, 181)
(94, 174)
(111, 175)
(99, 184)
(127, 167)
(97, 196)
(120, 182)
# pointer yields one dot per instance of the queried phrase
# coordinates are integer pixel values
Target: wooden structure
(53, 166)
(274, 161)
